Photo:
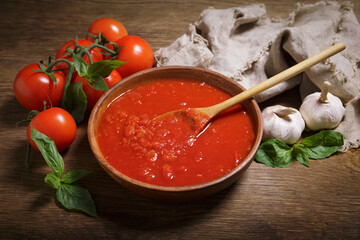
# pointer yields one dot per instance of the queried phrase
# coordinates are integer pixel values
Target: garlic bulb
(322, 110)
(282, 122)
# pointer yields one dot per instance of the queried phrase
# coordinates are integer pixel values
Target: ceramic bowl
(183, 193)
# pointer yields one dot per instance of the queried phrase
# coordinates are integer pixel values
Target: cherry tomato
(136, 52)
(95, 53)
(92, 94)
(55, 123)
(110, 28)
(33, 88)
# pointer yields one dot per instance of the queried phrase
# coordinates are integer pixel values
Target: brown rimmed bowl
(183, 193)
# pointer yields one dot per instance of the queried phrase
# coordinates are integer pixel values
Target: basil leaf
(103, 68)
(97, 82)
(52, 180)
(323, 144)
(81, 65)
(73, 196)
(301, 155)
(76, 101)
(274, 153)
(49, 151)
(74, 175)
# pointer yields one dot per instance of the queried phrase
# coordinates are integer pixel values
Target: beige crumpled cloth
(249, 47)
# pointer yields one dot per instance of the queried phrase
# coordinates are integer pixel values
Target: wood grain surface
(320, 202)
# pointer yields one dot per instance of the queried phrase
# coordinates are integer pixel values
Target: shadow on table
(16, 176)
(130, 210)
(121, 208)
(12, 112)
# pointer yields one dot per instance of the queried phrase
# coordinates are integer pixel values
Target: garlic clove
(284, 123)
(284, 112)
(322, 110)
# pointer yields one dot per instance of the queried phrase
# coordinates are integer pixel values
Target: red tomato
(55, 123)
(33, 88)
(110, 28)
(92, 94)
(95, 53)
(136, 52)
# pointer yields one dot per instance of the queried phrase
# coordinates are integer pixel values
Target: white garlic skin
(319, 115)
(284, 123)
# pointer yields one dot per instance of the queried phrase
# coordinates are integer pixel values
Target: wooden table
(296, 202)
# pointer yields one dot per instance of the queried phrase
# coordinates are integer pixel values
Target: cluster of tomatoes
(39, 88)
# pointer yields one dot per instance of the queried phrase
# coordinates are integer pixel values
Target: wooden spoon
(199, 117)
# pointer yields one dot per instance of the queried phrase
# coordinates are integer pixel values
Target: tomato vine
(67, 86)
(74, 98)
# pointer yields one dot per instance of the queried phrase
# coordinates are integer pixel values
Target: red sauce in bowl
(165, 151)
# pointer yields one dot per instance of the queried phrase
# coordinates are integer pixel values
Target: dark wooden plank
(322, 201)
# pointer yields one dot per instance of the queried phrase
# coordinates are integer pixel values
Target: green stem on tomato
(78, 49)
(102, 47)
(52, 64)
(68, 76)
(85, 51)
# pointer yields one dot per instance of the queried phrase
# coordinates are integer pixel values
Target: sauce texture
(165, 151)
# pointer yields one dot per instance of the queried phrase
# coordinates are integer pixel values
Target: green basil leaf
(74, 175)
(81, 65)
(104, 67)
(52, 180)
(49, 151)
(301, 155)
(323, 144)
(76, 101)
(73, 196)
(97, 82)
(274, 153)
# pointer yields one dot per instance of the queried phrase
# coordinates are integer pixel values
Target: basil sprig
(68, 192)
(275, 153)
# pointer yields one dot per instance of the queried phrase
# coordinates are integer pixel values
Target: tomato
(55, 123)
(92, 94)
(95, 53)
(110, 28)
(136, 52)
(33, 88)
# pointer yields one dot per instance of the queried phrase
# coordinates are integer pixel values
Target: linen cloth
(246, 45)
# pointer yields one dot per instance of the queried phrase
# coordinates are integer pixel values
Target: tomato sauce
(168, 151)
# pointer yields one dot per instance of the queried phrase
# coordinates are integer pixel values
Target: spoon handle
(278, 78)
